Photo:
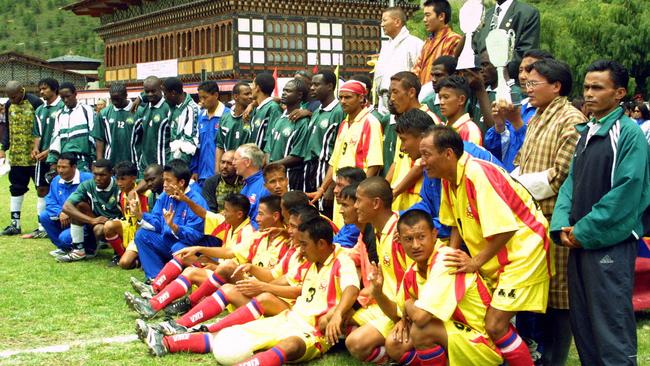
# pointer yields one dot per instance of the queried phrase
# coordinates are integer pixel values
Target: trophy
(470, 18)
(499, 44)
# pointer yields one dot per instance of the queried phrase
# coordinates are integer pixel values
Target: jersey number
(120, 124)
(312, 292)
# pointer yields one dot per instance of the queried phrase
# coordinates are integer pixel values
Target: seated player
(454, 92)
(344, 177)
(120, 233)
(169, 285)
(53, 219)
(275, 179)
(171, 225)
(348, 236)
(373, 204)
(441, 312)
(91, 205)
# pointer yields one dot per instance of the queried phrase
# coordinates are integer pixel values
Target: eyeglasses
(533, 84)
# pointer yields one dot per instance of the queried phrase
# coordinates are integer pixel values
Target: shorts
(530, 298)
(467, 346)
(40, 175)
(375, 317)
(265, 333)
(128, 234)
(19, 177)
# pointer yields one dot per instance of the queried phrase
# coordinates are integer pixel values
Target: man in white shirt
(397, 54)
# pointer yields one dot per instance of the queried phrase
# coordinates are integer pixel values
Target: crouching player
(441, 313)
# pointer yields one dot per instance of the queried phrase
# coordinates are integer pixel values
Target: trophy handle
(466, 60)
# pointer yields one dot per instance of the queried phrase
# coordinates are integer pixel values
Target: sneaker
(33, 235)
(155, 343)
(11, 230)
(90, 254)
(178, 307)
(73, 256)
(129, 298)
(145, 290)
(143, 308)
(59, 252)
(141, 329)
(114, 262)
(170, 327)
(42, 234)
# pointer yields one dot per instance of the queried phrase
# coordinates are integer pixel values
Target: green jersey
(152, 134)
(44, 122)
(233, 132)
(262, 120)
(115, 127)
(390, 140)
(287, 138)
(72, 132)
(184, 138)
(104, 202)
(322, 131)
(433, 102)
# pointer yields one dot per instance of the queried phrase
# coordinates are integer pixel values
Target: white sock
(40, 207)
(16, 203)
(77, 234)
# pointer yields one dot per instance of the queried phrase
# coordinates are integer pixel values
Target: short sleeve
(446, 213)
(79, 194)
(375, 152)
(495, 215)
(438, 295)
(215, 225)
(347, 272)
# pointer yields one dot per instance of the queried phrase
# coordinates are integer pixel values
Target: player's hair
(51, 83)
(554, 71)
(457, 83)
(445, 137)
(157, 168)
(307, 74)
(378, 187)
(349, 192)
(617, 72)
(448, 62)
(305, 213)
(353, 175)
(253, 153)
(317, 228)
(408, 80)
(68, 85)
(179, 169)
(236, 89)
(301, 87)
(272, 168)
(396, 12)
(412, 217)
(118, 89)
(272, 202)
(126, 169)
(413, 122)
(239, 201)
(70, 157)
(328, 77)
(265, 82)
(209, 86)
(538, 54)
(104, 164)
(294, 199)
(440, 6)
(173, 84)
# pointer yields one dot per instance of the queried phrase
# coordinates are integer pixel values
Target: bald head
(152, 89)
(15, 91)
(152, 81)
(397, 13)
(377, 187)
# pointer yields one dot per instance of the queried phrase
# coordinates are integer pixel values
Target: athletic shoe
(73, 256)
(90, 255)
(143, 308)
(59, 252)
(129, 298)
(115, 261)
(33, 235)
(141, 329)
(170, 327)
(155, 343)
(42, 234)
(178, 307)
(11, 230)
(145, 290)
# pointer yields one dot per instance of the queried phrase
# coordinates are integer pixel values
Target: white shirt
(504, 9)
(397, 54)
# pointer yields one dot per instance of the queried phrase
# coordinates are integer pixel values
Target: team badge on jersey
(257, 122)
(252, 198)
(468, 212)
(286, 132)
(129, 120)
(323, 124)
(156, 119)
(386, 261)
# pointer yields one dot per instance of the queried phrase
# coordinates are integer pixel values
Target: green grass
(44, 303)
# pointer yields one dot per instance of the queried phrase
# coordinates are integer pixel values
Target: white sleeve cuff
(537, 184)
(147, 226)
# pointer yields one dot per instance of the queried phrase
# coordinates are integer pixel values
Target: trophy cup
(499, 43)
(470, 18)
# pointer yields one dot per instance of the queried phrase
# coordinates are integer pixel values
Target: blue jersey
(60, 191)
(203, 161)
(347, 236)
(254, 189)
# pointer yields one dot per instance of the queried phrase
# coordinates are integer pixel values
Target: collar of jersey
(267, 100)
(56, 101)
(460, 167)
(107, 189)
(330, 106)
(75, 180)
(127, 108)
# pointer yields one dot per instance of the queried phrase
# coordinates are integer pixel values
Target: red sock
(208, 308)
(514, 349)
(171, 292)
(170, 271)
(435, 356)
(207, 288)
(273, 357)
(188, 342)
(251, 311)
(410, 358)
(377, 356)
(116, 243)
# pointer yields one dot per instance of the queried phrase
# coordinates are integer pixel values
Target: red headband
(354, 86)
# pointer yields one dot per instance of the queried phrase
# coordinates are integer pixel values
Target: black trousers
(600, 297)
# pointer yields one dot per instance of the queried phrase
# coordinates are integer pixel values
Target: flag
(275, 78)
(314, 70)
(336, 72)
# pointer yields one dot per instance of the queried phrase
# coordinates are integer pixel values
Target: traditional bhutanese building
(230, 40)
(29, 70)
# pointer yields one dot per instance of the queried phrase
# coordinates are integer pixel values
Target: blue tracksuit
(254, 189)
(204, 160)
(347, 236)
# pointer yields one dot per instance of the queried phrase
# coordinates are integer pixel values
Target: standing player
(454, 92)
(113, 130)
(152, 128)
(203, 162)
(234, 130)
(184, 112)
(266, 111)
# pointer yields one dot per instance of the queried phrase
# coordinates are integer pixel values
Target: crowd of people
(438, 226)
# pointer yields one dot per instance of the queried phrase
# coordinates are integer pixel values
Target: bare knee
(396, 349)
(497, 323)
(98, 231)
(226, 269)
(127, 261)
(362, 341)
(112, 228)
(293, 348)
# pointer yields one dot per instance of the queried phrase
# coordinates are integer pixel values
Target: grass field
(44, 303)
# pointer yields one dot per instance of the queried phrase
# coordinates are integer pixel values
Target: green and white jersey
(287, 138)
(233, 132)
(262, 120)
(184, 138)
(44, 122)
(152, 134)
(104, 202)
(322, 130)
(72, 132)
(115, 127)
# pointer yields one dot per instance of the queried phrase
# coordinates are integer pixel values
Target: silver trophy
(499, 44)
(470, 18)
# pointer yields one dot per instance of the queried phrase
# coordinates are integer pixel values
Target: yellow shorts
(128, 234)
(265, 333)
(374, 316)
(466, 346)
(531, 298)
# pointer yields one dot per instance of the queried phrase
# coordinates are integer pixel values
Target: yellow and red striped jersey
(261, 250)
(216, 225)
